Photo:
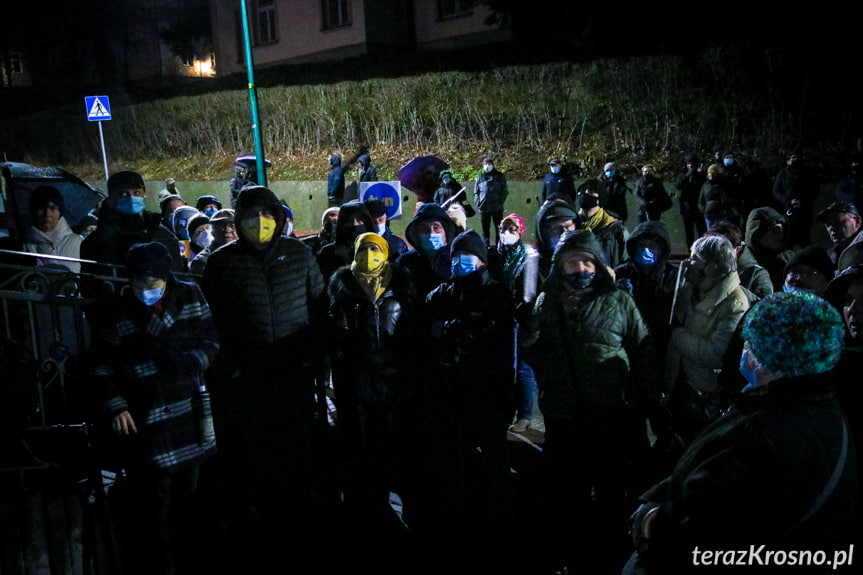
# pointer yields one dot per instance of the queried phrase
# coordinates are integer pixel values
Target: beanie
(517, 220)
(795, 333)
(195, 222)
(43, 195)
(149, 260)
(470, 242)
(376, 207)
(126, 180)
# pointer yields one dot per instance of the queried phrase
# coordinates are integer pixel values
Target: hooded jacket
(63, 242)
(757, 223)
(428, 269)
(594, 348)
(548, 211)
(340, 251)
(260, 297)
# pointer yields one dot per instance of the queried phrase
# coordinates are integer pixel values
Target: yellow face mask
(370, 260)
(260, 229)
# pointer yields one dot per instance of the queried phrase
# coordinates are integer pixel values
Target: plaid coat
(150, 362)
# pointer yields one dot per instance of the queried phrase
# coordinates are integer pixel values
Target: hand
(123, 424)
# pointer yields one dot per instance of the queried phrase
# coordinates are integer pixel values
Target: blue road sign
(98, 108)
(387, 192)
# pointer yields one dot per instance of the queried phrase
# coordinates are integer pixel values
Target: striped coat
(150, 362)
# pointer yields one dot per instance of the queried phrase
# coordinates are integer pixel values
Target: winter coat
(706, 326)
(616, 191)
(490, 192)
(261, 297)
(559, 185)
(689, 185)
(593, 352)
(547, 212)
(65, 243)
(612, 235)
(652, 197)
(757, 223)
(428, 270)
(753, 477)
(715, 203)
(340, 251)
(117, 232)
(753, 276)
(151, 364)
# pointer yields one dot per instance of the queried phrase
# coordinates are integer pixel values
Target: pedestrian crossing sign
(98, 108)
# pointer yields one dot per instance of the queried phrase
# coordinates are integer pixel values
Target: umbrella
(79, 197)
(413, 176)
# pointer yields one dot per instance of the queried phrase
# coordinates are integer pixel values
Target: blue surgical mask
(487, 168)
(210, 212)
(130, 205)
(609, 174)
(149, 297)
(432, 242)
(580, 280)
(645, 256)
(555, 169)
(727, 161)
(749, 375)
(464, 264)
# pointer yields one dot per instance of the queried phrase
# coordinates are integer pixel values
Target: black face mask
(330, 227)
(358, 230)
(587, 202)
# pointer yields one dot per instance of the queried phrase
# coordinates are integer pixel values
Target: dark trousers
(490, 219)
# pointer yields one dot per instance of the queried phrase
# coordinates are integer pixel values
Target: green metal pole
(253, 99)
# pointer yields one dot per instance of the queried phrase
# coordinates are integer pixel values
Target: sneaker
(520, 426)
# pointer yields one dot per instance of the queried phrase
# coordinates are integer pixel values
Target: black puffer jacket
(260, 297)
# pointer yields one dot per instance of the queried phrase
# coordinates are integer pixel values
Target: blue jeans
(525, 391)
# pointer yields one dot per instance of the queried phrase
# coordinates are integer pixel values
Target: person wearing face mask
(327, 233)
(558, 183)
(778, 468)
(429, 234)
(652, 198)
(371, 302)
(795, 189)
(200, 234)
(354, 219)
(709, 307)
(489, 194)
(766, 243)
(506, 264)
(616, 191)
(610, 231)
(595, 362)
(688, 183)
(378, 212)
(460, 489)
(151, 346)
(224, 230)
(553, 218)
(124, 221)
(208, 205)
(266, 293)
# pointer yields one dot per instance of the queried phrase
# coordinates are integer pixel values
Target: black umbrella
(19, 181)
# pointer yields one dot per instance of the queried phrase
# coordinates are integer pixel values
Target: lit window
(265, 18)
(454, 8)
(335, 13)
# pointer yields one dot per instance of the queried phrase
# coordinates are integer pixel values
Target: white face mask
(508, 238)
(289, 228)
(204, 239)
(555, 169)
(381, 228)
(488, 167)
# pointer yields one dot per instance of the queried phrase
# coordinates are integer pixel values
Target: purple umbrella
(415, 176)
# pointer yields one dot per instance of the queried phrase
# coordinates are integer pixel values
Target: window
(455, 8)
(265, 22)
(335, 13)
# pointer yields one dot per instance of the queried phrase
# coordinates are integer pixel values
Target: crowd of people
(362, 384)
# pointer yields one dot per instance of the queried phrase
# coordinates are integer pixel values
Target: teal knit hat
(795, 333)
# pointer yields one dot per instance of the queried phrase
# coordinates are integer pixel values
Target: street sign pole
(104, 156)
(99, 109)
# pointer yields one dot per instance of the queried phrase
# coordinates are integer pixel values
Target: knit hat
(470, 242)
(42, 195)
(517, 220)
(815, 257)
(149, 260)
(795, 333)
(593, 185)
(126, 180)
(328, 212)
(195, 222)
(372, 238)
(223, 216)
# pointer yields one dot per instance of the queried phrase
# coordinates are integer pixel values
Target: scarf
(598, 220)
(374, 283)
